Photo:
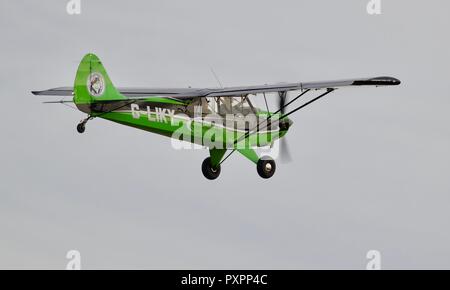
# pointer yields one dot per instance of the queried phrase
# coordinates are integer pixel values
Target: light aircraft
(220, 119)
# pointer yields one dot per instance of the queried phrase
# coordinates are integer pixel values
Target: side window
(192, 106)
(239, 105)
(198, 103)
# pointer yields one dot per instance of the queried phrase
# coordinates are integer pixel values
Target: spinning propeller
(285, 155)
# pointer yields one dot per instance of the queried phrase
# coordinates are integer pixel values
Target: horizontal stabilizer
(62, 92)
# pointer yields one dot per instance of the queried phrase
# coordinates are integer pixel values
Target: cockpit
(223, 106)
(236, 112)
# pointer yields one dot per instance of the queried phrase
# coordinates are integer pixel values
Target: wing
(187, 93)
(378, 81)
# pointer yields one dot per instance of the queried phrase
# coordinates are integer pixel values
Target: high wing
(188, 93)
(379, 81)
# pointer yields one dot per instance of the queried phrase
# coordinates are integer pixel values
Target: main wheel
(81, 128)
(266, 167)
(208, 171)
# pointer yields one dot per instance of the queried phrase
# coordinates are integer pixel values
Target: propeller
(285, 154)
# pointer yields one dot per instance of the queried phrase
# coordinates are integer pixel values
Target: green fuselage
(179, 120)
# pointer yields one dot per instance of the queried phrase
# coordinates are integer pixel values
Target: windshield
(231, 105)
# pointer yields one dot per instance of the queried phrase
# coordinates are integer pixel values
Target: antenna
(215, 76)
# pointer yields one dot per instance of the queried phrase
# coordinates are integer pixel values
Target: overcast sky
(371, 165)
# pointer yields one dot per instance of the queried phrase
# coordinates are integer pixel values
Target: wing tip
(378, 81)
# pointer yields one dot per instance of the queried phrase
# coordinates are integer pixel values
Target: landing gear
(266, 167)
(208, 171)
(81, 127)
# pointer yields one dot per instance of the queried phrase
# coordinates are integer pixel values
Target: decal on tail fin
(92, 82)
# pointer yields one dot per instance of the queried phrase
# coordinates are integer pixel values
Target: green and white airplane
(220, 119)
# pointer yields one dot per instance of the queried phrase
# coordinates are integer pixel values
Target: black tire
(266, 167)
(81, 128)
(209, 172)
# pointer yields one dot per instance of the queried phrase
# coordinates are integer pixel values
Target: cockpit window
(239, 105)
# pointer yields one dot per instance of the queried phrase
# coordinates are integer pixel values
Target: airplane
(224, 120)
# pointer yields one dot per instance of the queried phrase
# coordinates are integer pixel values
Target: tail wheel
(266, 167)
(208, 171)
(81, 127)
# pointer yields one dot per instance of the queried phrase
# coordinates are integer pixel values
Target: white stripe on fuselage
(160, 115)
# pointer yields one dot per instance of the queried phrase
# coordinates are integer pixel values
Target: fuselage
(190, 121)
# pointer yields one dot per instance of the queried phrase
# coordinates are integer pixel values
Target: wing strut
(307, 103)
(267, 121)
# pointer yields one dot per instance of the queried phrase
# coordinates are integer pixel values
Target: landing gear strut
(209, 171)
(81, 127)
(266, 167)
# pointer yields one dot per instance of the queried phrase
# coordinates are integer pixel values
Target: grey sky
(370, 167)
